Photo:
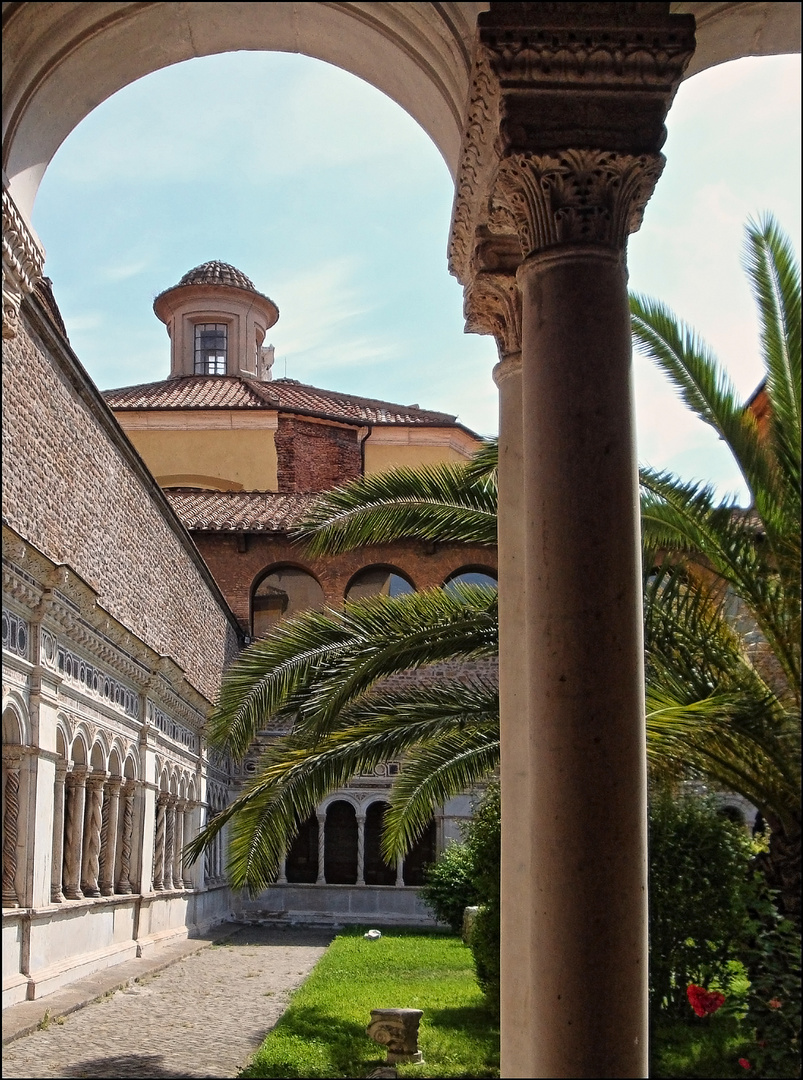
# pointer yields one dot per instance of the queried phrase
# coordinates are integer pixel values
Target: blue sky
(337, 205)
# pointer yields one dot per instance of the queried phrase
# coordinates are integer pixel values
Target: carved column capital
(576, 196)
(23, 263)
(565, 122)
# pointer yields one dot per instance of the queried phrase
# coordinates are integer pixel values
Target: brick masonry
(239, 560)
(74, 489)
(315, 456)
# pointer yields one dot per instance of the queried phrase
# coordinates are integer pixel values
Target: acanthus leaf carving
(576, 196)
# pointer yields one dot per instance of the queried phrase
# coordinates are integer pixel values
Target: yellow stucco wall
(379, 457)
(239, 458)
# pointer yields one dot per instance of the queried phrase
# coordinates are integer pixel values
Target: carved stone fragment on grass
(397, 1030)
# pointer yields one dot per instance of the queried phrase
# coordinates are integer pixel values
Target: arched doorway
(376, 870)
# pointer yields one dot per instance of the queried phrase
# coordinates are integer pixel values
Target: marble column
(556, 167)
(57, 864)
(187, 835)
(281, 878)
(399, 872)
(170, 842)
(321, 879)
(11, 824)
(360, 849)
(93, 823)
(75, 792)
(109, 832)
(123, 885)
(159, 844)
(178, 845)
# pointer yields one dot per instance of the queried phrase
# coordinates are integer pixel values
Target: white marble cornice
(23, 263)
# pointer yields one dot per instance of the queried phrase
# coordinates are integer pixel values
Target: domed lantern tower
(217, 323)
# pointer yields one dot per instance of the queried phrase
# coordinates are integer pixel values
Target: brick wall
(315, 456)
(74, 488)
(237, 560)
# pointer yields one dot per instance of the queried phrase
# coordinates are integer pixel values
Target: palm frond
(444, 503)
(315, 663)
(774, 276)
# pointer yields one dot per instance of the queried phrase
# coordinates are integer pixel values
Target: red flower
(704, 1002)
(745, 1063)
(774, 1003)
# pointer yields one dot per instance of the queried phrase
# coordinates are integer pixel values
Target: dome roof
(217, 273)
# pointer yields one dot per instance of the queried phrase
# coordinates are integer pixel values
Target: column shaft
(11, 811)
(586, 749)
(74, 833)
(123, 885)
(361, 849)
(159, 845)
(108, 837)
(93, 823)
(321, 879)
(57, 865)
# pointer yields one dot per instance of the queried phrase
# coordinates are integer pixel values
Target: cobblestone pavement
(201, 1017)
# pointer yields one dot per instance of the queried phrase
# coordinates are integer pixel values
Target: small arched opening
(340, 844)
(376, 870)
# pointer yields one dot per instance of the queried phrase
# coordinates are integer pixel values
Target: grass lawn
(322, 1033)
(710, 1047)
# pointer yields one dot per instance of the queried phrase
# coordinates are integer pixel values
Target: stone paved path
(201, 1017)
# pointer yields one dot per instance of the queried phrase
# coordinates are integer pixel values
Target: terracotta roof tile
(192, 392)
(238, 511)
(288, 395)
(217, 273)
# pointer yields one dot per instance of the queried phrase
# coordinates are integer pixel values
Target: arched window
(301, 865)
(376, 870)
(420, 856)
(340, 844)
(283, 592)
(378, 581)
(471, 575)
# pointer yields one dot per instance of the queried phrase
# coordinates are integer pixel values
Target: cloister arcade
(550, 117)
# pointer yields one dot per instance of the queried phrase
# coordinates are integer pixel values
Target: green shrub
(449, 885)
(484, 843)
(467, 874)
(700, 894)
(772, 958)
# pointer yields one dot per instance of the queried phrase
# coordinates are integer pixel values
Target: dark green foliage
(449, 886)
(700, 892)
(772, 959)
(484, 842)
(468, 874)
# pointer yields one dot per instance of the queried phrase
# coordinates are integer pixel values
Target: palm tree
(722, 614)
(723, 694)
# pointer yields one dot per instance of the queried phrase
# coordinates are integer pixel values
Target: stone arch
(375, 870)
(301, 863)
(116, 755)
(281, 590)
(130, 766)
(340, 842)
(79, 748)
(99, 754)
(15, 727)
(62, 740)
(378, 579)
(59, 64)
(420, 855)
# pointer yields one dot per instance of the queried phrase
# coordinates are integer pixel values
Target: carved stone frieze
(23, 263)
(576, 196)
